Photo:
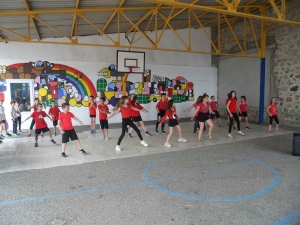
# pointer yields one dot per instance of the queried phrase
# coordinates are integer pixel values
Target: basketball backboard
(130, 61)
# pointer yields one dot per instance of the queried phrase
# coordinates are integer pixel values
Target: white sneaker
(102, 138)
(106, 138)
(241, 133)
(168, 145)
(118, 148)
(182, 140)
(144, 143)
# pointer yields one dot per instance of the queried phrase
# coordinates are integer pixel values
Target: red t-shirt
(34, 108)
(243, 107)
(126, 112)
(136, 113)
(39, 119)
(232, 105)
(103, 116)
(93, 109)
(66, 120)
(213, 106)
(54, 112)
(195, 106)
(203, 107)
(171, 114)
(162, 105)
(272, 110)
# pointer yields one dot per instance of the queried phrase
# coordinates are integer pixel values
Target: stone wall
(284, 41)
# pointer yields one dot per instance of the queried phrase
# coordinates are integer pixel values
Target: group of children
(130, 109)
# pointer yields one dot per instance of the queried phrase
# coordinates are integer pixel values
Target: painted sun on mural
(64, 84)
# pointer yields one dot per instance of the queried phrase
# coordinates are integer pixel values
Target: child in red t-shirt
(36, 101)
(136, 116)
(214, 107)
(92, 109)
(196, 124)
(173, 122)
(233, 108)
(66, 129)
(272, 111)
(54, 113)
(243, 111)
(40, 123)
(103, 111)
(125, 109)
(202, 113)
(161, 108)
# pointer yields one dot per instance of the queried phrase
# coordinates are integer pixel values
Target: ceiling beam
(112, 15)
(225, 12)
(74, 18)
(32, 20)
(176, 14)
(143, 18)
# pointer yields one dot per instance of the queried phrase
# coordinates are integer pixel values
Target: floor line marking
(10, 202)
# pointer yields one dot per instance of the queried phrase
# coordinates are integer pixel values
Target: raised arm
(26, 119)
(78, 120)
(115, 112)
(188, 109)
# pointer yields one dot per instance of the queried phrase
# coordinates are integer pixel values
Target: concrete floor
(246, 180)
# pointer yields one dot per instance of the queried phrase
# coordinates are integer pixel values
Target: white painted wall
(243, 76)
(90, 60)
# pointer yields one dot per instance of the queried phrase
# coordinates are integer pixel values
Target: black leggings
(160, 115)
(196, 125)
(275, 118)
(32, 124)
(125, 123)
(236, 118)
(19, 121)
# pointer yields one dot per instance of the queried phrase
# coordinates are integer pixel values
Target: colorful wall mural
(64, 84)
(148, 89)
(57, 82)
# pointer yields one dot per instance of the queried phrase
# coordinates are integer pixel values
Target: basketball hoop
(132, 68)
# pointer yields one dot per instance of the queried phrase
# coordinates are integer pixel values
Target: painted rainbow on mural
(83, 84)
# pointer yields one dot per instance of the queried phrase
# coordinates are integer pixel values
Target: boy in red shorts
(66, 128)
(54, 112)
(40, 123)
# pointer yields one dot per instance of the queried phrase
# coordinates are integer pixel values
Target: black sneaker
(163, 132)
(248, 128)
(156, 131)
(1, 142)
(8, 134)
(82, 151)
(54, 142)
(35, 144)
(63, 154)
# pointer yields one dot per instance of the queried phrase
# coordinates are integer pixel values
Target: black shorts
(103, 124)
(243, 114)
(216, 114)
(69, 134)
(93, 116)
(44, 130)
(160, 115)
(55, 123)
(173, 122)
(136, 118)
(202, 117)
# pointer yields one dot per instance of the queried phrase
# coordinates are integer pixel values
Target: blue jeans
(15, 124)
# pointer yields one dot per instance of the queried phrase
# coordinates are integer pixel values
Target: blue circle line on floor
(67, 194)
(287, 219)
(265, 190)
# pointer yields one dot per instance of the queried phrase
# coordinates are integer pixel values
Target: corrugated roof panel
(16, 21)
(12, 5)
(51, 4)
(137, 3)
(98, 3)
